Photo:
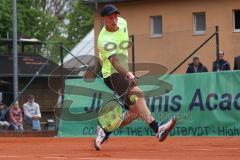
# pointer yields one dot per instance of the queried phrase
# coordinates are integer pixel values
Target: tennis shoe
(165, 128)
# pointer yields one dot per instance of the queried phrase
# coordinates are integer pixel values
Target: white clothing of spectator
(32, 113)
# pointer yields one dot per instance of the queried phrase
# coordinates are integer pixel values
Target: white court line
(9, 156)
(54, 157)
(182, 149)
(112, 159)
(31, 157)
(212, 149)
(75, 158)
(203, 149)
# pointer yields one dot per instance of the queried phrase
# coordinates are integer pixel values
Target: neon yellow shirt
(112, 43)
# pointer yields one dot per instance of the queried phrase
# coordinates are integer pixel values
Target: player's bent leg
(144, 113)
(141, 106)
(101, 137)
(130, 116)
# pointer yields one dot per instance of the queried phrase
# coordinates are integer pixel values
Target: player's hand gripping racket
(112, 113)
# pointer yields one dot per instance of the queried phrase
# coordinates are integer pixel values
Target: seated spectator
(4, 124)
(32, 113)
(16, 117)
(196, 66)
(237, 63)
(223, 64)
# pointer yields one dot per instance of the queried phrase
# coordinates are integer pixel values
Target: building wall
(178, 40)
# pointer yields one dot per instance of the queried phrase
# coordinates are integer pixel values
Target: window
(236, 20)
(156, 26)
(199, 23)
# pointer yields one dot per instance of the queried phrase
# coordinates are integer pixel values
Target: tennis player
(112, 45)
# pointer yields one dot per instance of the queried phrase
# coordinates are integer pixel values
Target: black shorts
(119, 85)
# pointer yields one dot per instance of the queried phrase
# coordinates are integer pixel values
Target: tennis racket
(111, 115)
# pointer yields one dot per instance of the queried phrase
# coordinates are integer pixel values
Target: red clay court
(121, 148)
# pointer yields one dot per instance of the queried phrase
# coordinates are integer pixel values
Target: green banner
(205, 104)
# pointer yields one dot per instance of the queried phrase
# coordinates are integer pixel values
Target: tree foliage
(80, 21)
(48, 20)
(5, 18)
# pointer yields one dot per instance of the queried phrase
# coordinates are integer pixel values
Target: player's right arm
(116, 62)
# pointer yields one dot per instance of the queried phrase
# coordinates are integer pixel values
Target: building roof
(28, 65)
(85, 48)
(24, 41)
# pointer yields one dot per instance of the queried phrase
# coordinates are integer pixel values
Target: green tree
(5, 18)
(46, 20)
(32, 20)
(80, 22)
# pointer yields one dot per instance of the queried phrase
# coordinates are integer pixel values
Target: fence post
(133, 54)
(62, 74)
(217, 47)
(15, 51)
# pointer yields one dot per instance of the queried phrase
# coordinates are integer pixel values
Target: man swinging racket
(117, 77)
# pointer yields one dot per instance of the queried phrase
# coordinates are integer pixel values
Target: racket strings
(110, 116)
